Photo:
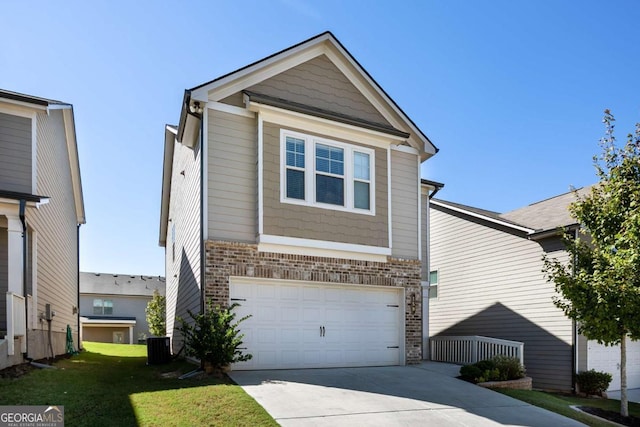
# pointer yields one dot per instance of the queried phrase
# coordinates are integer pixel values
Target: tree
(213, 337)
(157, 314)
(600, 284)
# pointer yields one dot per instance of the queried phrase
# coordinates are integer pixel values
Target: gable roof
(322, 44)
(120, 284)
(45, 104)
(535, 219)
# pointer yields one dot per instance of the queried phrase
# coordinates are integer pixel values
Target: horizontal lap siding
(15, 153)
(56, 227)
(404, 201)
(232, 180)
(319, 83)
(183, 271)
(491, 283)
(308, 222)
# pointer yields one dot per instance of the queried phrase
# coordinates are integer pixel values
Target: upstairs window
(433, 284)
(102, 307)
(327, 174)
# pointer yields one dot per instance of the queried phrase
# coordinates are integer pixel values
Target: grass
(561, 403)
(111, 385)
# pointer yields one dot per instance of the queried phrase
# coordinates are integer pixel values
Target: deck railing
(16, 322)
(465, 350)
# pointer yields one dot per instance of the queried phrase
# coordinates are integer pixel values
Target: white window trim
(310, 173)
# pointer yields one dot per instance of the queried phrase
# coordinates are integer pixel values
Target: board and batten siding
(232, 177)
(56, 226)
(490, 283)
(15, 153)
(182, 250)
(309, 222)
(405, 181)
(319, 83)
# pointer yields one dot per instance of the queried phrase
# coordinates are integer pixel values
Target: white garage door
(299, 325)
(607, 359)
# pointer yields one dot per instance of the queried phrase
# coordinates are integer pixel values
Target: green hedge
(499, 368)
(593, 382)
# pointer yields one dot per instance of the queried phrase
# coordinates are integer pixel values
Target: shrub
(500, 368)
(470, 373)
(593, 382)
(510, 368)
(214, 337)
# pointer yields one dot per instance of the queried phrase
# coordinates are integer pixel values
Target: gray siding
(321, 84)
(130, 306)
(15, 153)
(285, 219)
(56, 227)
(182, 261)
(491, 283)
(233, 180)
(405, 180)
(4, 279)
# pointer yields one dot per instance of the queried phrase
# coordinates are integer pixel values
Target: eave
(170, 134)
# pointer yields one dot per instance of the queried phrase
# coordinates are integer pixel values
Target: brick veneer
(225, 259)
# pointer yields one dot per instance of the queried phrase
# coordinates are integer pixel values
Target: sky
(511, 92)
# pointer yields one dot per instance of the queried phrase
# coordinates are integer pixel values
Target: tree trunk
(624, 403)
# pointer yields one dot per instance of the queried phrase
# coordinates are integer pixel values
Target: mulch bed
(612, 416)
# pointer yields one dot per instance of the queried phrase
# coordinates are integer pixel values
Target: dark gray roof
(547, 214)
(7, 94)
(120, 284)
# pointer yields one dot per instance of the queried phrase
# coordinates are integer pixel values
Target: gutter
(202, 244)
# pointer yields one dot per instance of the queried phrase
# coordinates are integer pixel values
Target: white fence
(466, 350)
(16, 322)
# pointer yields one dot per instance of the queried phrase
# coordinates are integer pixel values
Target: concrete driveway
(426, 394)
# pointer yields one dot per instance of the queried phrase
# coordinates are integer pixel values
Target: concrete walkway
(633, 394)
(426, 394)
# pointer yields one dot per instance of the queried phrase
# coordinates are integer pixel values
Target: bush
(510, 368)
(214, 337)
(156, 314)
(593, 382)
(500, 368)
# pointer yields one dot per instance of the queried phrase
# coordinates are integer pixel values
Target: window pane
(108, 307)
(295, 152)
(433, 277)
(295, 184)
(329, 190)
(97, 306)
(433, 292)
(361, 195)
(361, 166)
(329, 159)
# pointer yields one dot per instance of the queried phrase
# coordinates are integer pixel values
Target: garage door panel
(285, 330)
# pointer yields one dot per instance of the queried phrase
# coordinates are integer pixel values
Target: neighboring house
(299, 200)
(487, 279)
(112, 306)
(41, 210)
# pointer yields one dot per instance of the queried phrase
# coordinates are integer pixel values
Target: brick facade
(225, 259)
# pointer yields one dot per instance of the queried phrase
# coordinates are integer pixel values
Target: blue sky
(512, 92)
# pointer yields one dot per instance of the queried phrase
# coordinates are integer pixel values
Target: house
(41, 210)
(299, 200)
(112, 306)
(486, 279)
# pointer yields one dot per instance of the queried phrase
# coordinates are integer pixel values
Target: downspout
(574, 331)
(23, 205)
(78, 275)
(202, 243)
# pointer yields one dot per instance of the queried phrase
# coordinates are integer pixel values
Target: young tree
(600, 285)
(157, 314)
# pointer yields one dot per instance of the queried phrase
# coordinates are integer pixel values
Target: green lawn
(561, 403)
(111, 385)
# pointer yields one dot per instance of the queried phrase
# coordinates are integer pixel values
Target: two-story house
(292, 187)
(41, 210)
(113, 306)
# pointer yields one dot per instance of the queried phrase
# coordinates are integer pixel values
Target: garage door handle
(238, 299)
(393, 346)
(392, 305)
(321, 331)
